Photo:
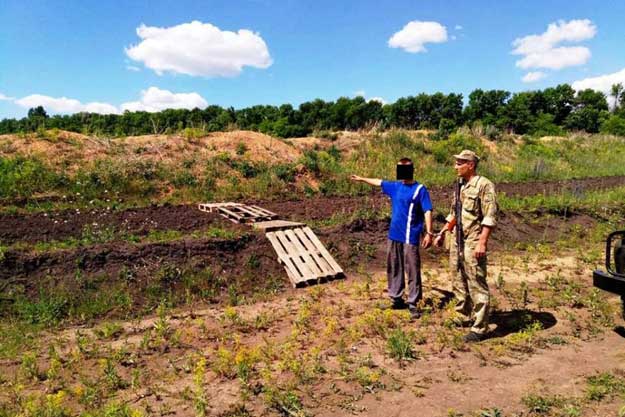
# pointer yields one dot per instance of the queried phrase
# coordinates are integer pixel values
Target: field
(120, 298)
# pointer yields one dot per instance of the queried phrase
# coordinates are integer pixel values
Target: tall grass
(321, 171)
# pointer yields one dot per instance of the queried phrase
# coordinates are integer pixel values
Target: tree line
(544, 112)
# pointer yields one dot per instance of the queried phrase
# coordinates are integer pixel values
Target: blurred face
(464, 168)
(405, 172)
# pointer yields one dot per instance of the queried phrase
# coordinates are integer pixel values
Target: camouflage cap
(467, 155)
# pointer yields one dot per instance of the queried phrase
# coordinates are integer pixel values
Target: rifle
(458, 225)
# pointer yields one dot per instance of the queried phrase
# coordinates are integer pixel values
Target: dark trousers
(403, 258)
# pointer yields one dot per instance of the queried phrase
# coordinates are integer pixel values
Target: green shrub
(311, 161)
(444, 149)
(544, 125)
(241, 148)
(284, 172)
(48, 309)
(614, 125)
(24, 176)
(192, 133)
(399, 345)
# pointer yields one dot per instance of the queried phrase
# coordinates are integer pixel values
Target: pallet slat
(286, 260)
(271, 225)
(264, 211)
(230, 213)
(305, 255)
(324, 252)
(304, 270)
(251, 212)
(322, 263)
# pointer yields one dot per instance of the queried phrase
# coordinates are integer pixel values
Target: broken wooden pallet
(239, 213)
(303, 255)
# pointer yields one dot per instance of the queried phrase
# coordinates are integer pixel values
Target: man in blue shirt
(411, 208)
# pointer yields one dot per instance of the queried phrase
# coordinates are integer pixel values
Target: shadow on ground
(516, 320)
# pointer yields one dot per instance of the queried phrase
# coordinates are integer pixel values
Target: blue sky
(68, 55)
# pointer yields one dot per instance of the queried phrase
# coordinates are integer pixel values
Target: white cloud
(199, 49)
(65, 105)
(458, 27)
(154, 99)
(561, 31)
(532, 77)
(416, 34)
(601, 83)
(3, 97)
(133, 68)
(542, 51)
(556, 58)
(101, 108)
(360, 93)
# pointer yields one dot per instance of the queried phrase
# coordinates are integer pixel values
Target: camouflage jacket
(479, 207)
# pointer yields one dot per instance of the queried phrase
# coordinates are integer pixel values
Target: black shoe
(395, 305)
(472, 337)
(415, 314)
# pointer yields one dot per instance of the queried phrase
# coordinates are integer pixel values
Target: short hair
(405, 161)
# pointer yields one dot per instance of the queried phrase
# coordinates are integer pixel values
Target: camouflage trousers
(470, 287)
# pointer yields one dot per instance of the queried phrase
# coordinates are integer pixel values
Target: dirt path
(556, 371)
(355, 374)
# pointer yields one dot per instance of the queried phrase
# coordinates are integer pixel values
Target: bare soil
(352, 243)
(445, 378)
(45, 227)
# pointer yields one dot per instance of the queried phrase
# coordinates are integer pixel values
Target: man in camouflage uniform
(479, 217)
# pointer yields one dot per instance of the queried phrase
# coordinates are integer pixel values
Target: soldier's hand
(426, 242)
(480, 250)
(439, 240)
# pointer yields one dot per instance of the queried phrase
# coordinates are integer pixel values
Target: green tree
(616, 91)
(614, 125)
(487, 106)
(559, 101)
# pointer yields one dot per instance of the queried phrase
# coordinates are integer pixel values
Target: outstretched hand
(354, 177)
(426, 242)
(438, 242)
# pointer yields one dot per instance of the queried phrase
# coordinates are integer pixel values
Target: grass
(400, 346)
(115, 179)
(605, 385)
(601, 202)
(276, 357)
(327, 345)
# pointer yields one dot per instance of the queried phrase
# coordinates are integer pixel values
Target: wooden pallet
(240, 213)
(299, 250)
(304, 257)
(276, 225)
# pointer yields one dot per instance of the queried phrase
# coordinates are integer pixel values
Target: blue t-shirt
(409, 202)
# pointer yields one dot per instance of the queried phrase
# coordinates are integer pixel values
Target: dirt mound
(72, 149)
(256, 146)
(53, 145)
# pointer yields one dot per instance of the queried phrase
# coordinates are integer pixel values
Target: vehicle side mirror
(615, 253)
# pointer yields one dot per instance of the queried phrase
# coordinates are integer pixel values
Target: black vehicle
(613, 280)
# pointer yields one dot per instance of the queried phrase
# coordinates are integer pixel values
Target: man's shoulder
(483, 182)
